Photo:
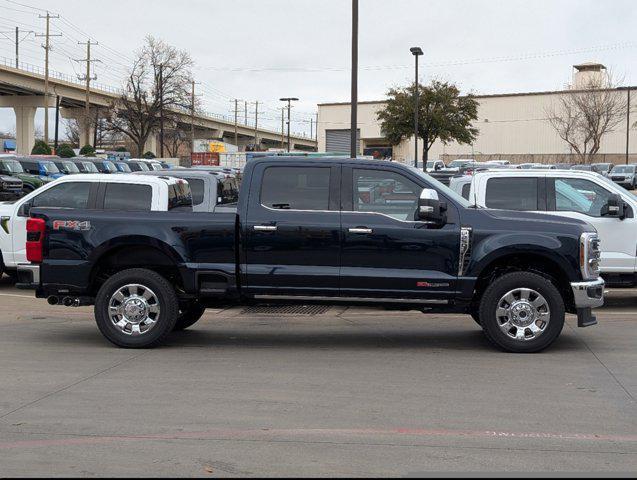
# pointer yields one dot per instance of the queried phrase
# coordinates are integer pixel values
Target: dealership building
(511, 126)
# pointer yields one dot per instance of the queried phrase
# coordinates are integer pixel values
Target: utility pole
(628, 89)
(87, 78)
(245, 113)
(236, 114)
(47, 48)
(97, 125)
(282, 125)
(192, 118)
(289, 100)
(256, 125)
(161, 110)
(57, 123)
(316, 133)
(354, 101)
(311, 127)
(17, 41)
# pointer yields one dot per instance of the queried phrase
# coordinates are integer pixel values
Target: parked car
(84, 165)
(10, 166)
(151, 164)
(209, 191)
(44, 168)
(603, 168)
(67, 167)
(584, 168)
(624, 175)
(11, 188)
(500, 163)
(120, 193)
(563, 166)
(104, 166)
(390, 237)
(122, 167)
(543, 166)
(571, 194)
(435, 165)
(528, 166)
(456, 165)
(137, 166)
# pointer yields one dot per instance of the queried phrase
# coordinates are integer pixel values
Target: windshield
(70, 167)
(624, 169)
(156, 166)
(459, 163)
(110, 166)
(90, 167)
(123, 167)
(12, 166)
(49, 167)
(441, 187)
(142, 166)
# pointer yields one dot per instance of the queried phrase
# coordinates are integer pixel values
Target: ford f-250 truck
(329, 231)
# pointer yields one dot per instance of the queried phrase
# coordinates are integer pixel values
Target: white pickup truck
(586, 196)
(91, 191)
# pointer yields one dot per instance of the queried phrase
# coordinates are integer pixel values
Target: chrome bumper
(588, 294)
(28, 276)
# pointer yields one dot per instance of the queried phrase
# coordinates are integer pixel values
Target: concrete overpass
(23, 90)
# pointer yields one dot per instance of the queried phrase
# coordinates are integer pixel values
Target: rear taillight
(36, 228)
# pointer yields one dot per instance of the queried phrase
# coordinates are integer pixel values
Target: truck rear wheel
(188, 316)
(136, 308)
(522, 312)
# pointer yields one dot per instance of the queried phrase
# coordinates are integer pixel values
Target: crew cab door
(583, 199)
(71, 195)
(387, 253)
(292, 230)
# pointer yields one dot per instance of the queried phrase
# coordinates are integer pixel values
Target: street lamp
(289, 100)
(416, 52)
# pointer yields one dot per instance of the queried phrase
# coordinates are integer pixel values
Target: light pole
(628, 89)
(416, 52)
(289, 100)
(354, 100)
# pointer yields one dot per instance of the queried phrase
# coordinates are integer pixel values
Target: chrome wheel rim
(523, 314)
(134, 309)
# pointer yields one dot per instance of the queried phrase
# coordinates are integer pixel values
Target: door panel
(293, 231)
(386, 253)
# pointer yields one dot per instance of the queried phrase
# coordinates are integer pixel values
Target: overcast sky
(265, 49)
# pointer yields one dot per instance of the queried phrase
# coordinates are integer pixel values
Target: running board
(352, 299)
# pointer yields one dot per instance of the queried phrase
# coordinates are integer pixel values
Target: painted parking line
(32, 297)
(266, 434)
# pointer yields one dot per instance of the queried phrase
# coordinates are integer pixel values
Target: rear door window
(512, 193)
(179, 196)
(197, 186)
(296, 188)
(127, 197)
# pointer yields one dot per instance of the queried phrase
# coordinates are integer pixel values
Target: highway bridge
(23, 90)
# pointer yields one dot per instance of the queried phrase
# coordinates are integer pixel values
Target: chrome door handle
(265, 228)
(361, 231)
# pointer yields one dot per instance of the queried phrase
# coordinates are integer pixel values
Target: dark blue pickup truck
(327, 230)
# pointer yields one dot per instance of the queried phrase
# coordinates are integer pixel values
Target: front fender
(562, 250)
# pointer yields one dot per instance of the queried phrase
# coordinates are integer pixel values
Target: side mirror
(430, 208)
(25, 209)
(615, 207)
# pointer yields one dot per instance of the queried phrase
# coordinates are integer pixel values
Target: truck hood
(538, 221)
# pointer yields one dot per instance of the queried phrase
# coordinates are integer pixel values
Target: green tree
(41, 148)
(65, 151)
(149, 155)
(87, 151)
(443, 115)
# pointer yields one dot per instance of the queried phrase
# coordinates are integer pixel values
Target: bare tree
(160, 78)
(72, 130)
(582, 118)
(174, 138)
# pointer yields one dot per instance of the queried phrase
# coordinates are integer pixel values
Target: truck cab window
(579, 195)
(296, 188)
(197, 186)
(65, 195)
(512, 194)
(389, 193)
(127, 196)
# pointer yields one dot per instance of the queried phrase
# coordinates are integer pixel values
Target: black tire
(189, 316)
(166, 300)
(12, 274)
(507, 283)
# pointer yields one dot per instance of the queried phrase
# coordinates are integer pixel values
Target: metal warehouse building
(512, 126)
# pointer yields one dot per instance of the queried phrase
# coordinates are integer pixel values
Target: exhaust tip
(68, 301)
(53, 300)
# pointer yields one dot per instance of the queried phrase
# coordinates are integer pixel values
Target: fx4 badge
(431, 285)
(71, 225)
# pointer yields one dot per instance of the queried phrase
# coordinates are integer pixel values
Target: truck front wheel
(522, 312)
(136, 308)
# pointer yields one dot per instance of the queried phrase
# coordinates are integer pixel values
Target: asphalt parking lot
(347, 392)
